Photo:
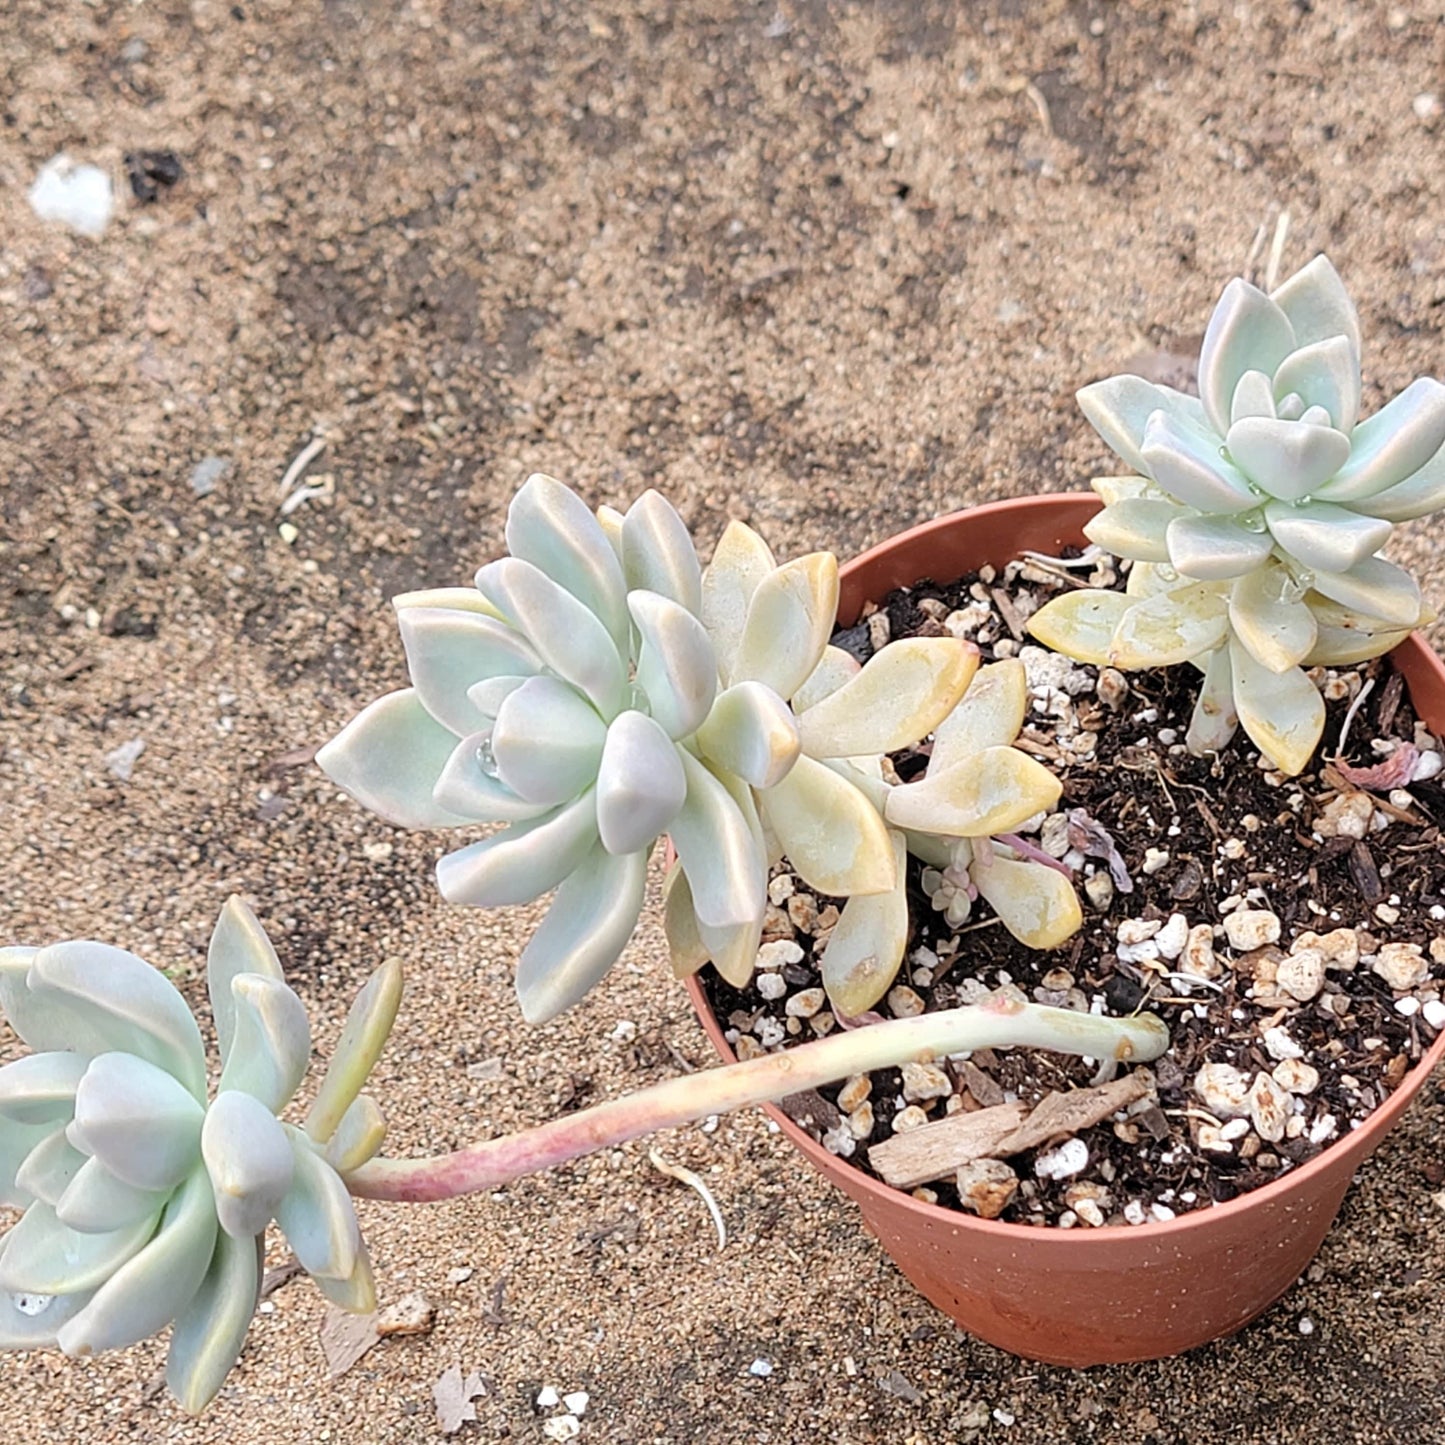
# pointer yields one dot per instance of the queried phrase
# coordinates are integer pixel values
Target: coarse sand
(830, 268)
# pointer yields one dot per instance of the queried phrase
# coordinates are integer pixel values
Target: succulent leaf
(1119, 409)
(210, 1331)
(1282, 712)
(1317, 305)
(272, 1040)
(1393, 444)
(719, 851)
(640, 784)
(593, 915)
(751, 731)
(521, 862)
(551, 527)
(95, 1201)
(29, 1322)
(389, 758)
(739, 563)
(1328, 373)
(451, 599)
(1135, 527)
(47, 1170)
(657, 552)
(364, 1035)
(469, 786)
(866, 947)
(447, 651)
(357, 1292)
(40, 1088)
(1247, 332)
(1292, 458)
(677, 668)
(568, 638)
(989, 716)
(789, 622)
(44, 1256)
(1253, 397)
(248, 1157)
(989, 793)
(317, 1216)
(1416, 496)
(686, 951)
(834, 669)
(1037, 904)
(238, 945)
(1172, 627)
(832, 835)
(1081, 624)
(1270, 620)
(142, 1124)
(1188, 464)
(546, 742)
(1325, 537)
(1215, 719)
(361, 1132)
(901, 694)
(17, 1143)
(1377, 587)
(1214, 549)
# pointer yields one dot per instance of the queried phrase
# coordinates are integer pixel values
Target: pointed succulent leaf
(142, 1124)
(1268, 616)
(451, 599)
(1214, 719)
(991, 792)
(238, 945)
(566, 636)
(488, 695)
(1172, 627)
(1377, 587)
(685, 948)
(95, 1201)
(1188, 465)
(867, 944)
(739, 563)
(1037, 904)
(586, 928)
(1325, 373)
(1120, 407)
(677, 668)
(752, 732)
(551, 527)
(790, 619)
(1282, 712)
(1393, 444)
(358, 1136)
(317, 1217)
(903, 692)
(521, 862)
(1247, 332)
(92, 998)
(547, 742)
(210, 1331)
(368, 1024)
(1324, 537)
(17, 1142)
(1253, 396)
(1317, 305)
(658, 554)
(990, 715)
(1346, 636)
(1112, 490)
(15, 964)
(1214, 549)
(249, 1159)
(835, 669)
(469, 785)
(30, 1322)
(48, 1169)
(389, 757)
(357, 1292)
(1081, 624)
(719, 851)
(272, 1041)
(611, 520)
(640, 784)
(1287, 459)
(829, 831)
(156, 1283)
(44, 1256)
(1135, 527)
(448, 651)
(40, 1088)
(1416, 496)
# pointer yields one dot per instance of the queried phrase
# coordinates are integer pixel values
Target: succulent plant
(596, 691)
(144, 1204)
(1258, 514)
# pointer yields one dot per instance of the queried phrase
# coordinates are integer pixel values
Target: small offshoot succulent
(596, 691)
(1257, 516)
(145, 1204)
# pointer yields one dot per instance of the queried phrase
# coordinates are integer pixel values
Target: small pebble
(1155, 859)
(925, 1081)
(860, 1121)
(1172, 939)
(1269, 1108)
(1100, 890)
(1223, 1089)
(805, 1004)
(780, 889)
(840, 1139)
(779, 952)
(562, 1428)
(854, 1092)
(1279, 1045)
(880, 630)
(772, 986)
(1064, 1161)
(760, 1368)
(1401, 965)
(1197, 956)
(1250, 928)
(1302, 974)
(548, 1397)
(986, 1186)
(903, 1003)
(1340, 947)
(1134, 1212)
(906, 1119)
(576, 1401)
(1434, 1014)
(1296, 1077)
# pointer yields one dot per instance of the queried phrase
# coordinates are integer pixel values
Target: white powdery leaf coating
(1287, 459)
(141, 1123)
(1214, 549)
(677, 668)
(1247, 332)
(522, 862)
(1327, 374)
(1186, 462)
(657, 552)
(1119, 409)
(720, 852)
(1318, 305)
(238, 945)
(272, 1040)
(1392, 445)
(1324, 537)
(640, 784)
(249, 1160)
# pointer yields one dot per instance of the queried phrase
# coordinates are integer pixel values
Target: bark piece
(938, 1149)
(1056, 1116)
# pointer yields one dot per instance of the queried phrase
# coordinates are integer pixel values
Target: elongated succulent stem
(995, 1023)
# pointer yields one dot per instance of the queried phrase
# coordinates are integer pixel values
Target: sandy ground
(831, 268)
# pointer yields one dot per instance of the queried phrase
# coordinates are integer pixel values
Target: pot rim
(1371, 1131)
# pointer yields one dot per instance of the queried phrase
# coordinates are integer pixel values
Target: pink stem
(1034, 854)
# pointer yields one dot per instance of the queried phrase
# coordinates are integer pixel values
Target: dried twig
(693, 1181)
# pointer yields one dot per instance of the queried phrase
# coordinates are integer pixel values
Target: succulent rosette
(145, 1204)
(594, 692)
(1258, 514)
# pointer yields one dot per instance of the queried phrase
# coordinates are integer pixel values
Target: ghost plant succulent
(1257, 516)
(144, 1203)
(596, 690)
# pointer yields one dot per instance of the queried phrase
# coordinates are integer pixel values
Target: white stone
(1100, 889)
(1407, 1006)
(780, 889)
(1302, 974)
(925, 1081)
(562, 1428)
(779, 952)
(839, 1140)
(1427, 765)
(1134, 1212)
(547, 1397)
(1137, 930)
(1223, 1090)
(1295, 1077)
(1434, 1014)
(1155, 859)
(1340, 947)
(760, 1368)
(1323, 1128)
(1064, 1161)
(1279, 1045)
(1401, 965)
(772, 986)
(576, 1401)
(1198, 953)
(1269, 1108)
(77, 196)
(1172, 938)
(1250, 928)
(804, 1004)
(1349, 815)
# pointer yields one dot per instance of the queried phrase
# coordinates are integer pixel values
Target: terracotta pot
(1090, 1297)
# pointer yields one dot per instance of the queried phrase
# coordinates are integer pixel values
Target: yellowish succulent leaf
(740, 561)
(1036, 903)
(1270, 620)
(1080, 624)
(1172, 627)
(1282, 712)
(834, 669)
(454, 599)
(1118, 489)
(866, 947)
(989, 716)
(790, 619)
(991, 792)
